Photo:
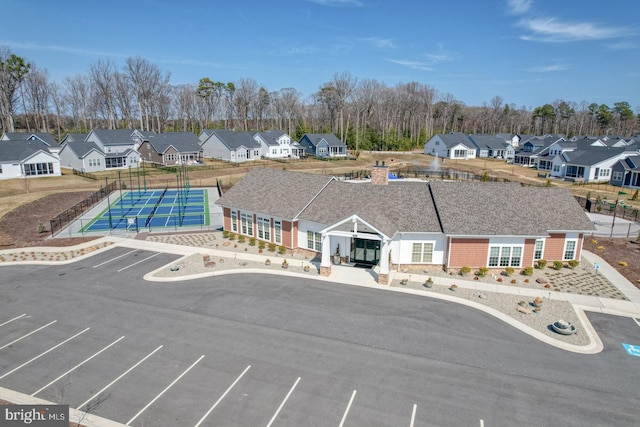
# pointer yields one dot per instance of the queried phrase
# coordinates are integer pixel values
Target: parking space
(137, 384)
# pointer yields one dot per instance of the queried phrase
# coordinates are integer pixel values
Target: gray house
(455, 145)
(489, 146)
(323, 145)
(626, 173)
(229, 145)
(102, 150)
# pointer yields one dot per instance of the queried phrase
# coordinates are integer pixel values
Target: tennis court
(151, 209)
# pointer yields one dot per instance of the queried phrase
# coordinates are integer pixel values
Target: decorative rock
(523, 310)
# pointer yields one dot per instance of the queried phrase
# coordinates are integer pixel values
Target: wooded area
(367, 114)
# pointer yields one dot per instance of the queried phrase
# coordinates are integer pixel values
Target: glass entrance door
(365, 251)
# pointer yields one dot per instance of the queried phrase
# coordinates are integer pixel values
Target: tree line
(367, 113)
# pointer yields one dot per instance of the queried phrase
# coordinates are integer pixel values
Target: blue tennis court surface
(138, 210)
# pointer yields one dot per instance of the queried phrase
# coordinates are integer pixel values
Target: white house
(26, 159)
(451, 146)
(102, 150)
(229, 145)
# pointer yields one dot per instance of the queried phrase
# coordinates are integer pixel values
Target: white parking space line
(119, 377)
(136, 263)
(78, 365)
(42, 354)
(222, 397)
(481, 423)
(413, 415)
(634, 319)
(283, 402)
(164, 391)
(24, 336)
(116, 258)
(346, 411)
(15, 318)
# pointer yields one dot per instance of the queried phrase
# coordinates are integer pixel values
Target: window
(234, 221)
(422, 253)
(34, 169)
(246, 223)
(605, 172)
(277, 231)
(460, 153)
(569, 250)
(314, 241)
(617, 176)
(505, 256)
(537, 250)
(0, 168)
(264, 227)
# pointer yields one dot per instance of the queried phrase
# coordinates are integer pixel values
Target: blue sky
(529, 52)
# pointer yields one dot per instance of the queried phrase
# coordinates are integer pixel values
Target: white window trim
(564, 249)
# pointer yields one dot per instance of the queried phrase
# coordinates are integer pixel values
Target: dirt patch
(19, 228)
(621, 254)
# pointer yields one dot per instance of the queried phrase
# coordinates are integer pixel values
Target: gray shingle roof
(489, 209)
(17, 151)
(114, 136)
(488, 141)
(331, 139)
(29, 136)
(396, 207)
(234, 139)
(183, 142)
(595, 155)
(82, 148)
(455, 138)
(278, 193)
(271, 136)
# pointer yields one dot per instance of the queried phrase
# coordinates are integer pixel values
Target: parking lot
(249, 350)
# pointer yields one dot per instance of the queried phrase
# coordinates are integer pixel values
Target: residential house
(533, 149)
(626, 172)
(276, 144)
(593, 164)
(171, 148)
(102, 150)
(455, 145)
(323, 145)
(26, 159)
(489, 146)
(398, 224)
(229, 145)
(43, 137)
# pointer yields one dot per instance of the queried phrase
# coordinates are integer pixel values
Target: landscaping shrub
(252, 241)
(272, 247)
(527, 271)
(282, 250)
(232, 236)
(573, 263)
(542, 263)
(509, 271)
(557, 265)
(225, 234)
(465, 270)
(261, 244)
(241, 239)
(482, 271)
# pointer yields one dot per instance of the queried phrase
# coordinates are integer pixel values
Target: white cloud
(380, 42)
(414, 65)
(549, 68)
(518, 7)
(338, 3)
(553, 30)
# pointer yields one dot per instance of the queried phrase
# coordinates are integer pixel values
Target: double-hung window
(314, 241)
(569, 250)
(538, 249)
(264, 225)
(234, 221)
(422, 253)
(277, 231)
(246, 223)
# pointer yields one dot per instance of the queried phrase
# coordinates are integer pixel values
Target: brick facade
(467, 252)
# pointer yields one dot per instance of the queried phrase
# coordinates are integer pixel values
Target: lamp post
(615, 211)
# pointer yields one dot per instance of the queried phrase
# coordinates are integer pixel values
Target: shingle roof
(278, 193)
(17, 151)
(596, 155)
(114, 136)
(392, 208)
(271, 136)
(489, 209)
(27, 136)
(183, 142)
(455, 138)
(234, 139)
(331, 139)
(488, 141)
(82, 148)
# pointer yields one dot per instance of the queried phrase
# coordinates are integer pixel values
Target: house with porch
(323, 145)
(229, 145)
(534, 149)
(27, 159)
(455, 145)
(102, 149)
(171, 148)
(391, 225)
(626, 172)
(594, 164)
(493, 147)
(277, 144)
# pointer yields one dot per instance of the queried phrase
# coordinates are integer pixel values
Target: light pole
(615, 211)
(120, 185)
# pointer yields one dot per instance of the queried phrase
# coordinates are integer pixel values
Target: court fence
(64, 219)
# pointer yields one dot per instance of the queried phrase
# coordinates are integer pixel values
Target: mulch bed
(19, 228)
(618, 251)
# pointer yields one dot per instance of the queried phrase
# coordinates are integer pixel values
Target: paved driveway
(251, 350)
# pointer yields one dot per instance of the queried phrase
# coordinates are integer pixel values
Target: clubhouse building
(406, 224)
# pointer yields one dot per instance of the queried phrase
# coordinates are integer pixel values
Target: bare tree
(245, 95)
(37, 98)
(103, 84)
